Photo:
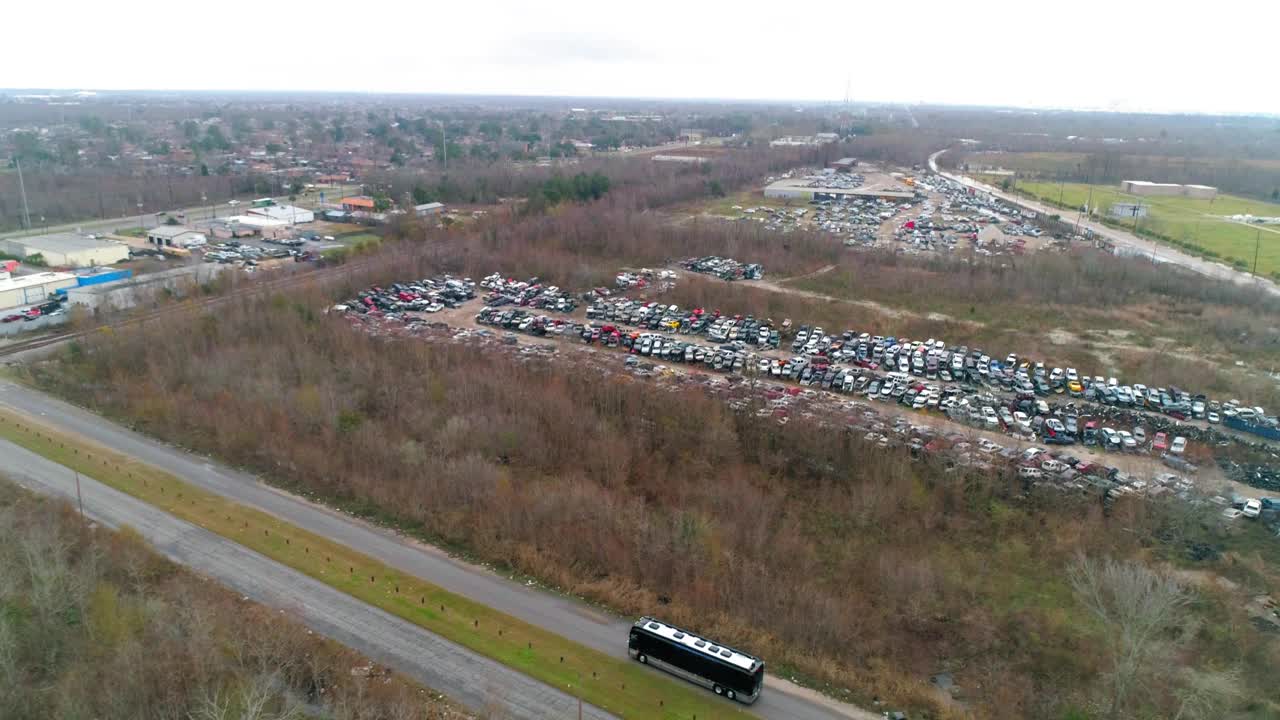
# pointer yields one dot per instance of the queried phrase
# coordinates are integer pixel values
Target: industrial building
(32, 289)
(809, 189)
(844, 165)
(291, 214)
(127, 293)
(177, 236)
(689, 159)
(1146, 188)
(245, 225)
(357, 203)
(431, 208)
(67, 250)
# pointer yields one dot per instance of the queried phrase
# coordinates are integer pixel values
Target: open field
(747, 199)
(1188, 222)
(1059, 163)
(612, 684)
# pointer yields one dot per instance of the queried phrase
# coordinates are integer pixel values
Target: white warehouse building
(1147, 188)
(67, 250)
(291, 214)
(32, 289)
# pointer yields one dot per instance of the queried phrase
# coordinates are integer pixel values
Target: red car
(1160, 443)
(11, 318)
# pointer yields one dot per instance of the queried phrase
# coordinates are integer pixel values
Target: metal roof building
(32, 289)
(67, 249)
(175, 236)
(286, 213)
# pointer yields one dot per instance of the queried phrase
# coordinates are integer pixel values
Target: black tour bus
(731, 673)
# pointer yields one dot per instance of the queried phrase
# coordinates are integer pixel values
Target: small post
(79, 497)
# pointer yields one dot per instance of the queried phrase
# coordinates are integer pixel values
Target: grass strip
(615, 685)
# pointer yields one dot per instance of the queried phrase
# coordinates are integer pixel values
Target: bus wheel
(731, 694)
(643, 660)
(719, 690)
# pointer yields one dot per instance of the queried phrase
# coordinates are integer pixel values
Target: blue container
(104, 277)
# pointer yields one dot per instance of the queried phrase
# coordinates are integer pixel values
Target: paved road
(558, 614)
(194, 213)
(1146, 247)
(467, 678)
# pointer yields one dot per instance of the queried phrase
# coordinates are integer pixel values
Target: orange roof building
(357, 202)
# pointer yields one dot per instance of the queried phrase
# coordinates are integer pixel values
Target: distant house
(336, 216)
(431, 208)
(177, 236)
(357, 203)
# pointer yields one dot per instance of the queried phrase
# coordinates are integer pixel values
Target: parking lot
(30, 318)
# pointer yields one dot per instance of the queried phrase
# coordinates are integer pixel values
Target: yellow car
(1075, 388)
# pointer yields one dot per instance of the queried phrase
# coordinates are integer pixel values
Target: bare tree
(1135, 604)
(1207, 694)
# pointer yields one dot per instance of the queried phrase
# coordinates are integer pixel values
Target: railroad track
(252, 287)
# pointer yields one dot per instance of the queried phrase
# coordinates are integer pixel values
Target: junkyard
(975, 409)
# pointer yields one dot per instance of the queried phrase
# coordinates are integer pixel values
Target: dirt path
(887, 311)
(820, 271)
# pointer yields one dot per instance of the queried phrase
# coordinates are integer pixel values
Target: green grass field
(618, 686)
(1200, 223)
(747, 199)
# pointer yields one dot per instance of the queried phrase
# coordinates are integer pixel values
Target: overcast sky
(1119, 54)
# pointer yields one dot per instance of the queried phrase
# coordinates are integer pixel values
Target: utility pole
(79, 497)
(444, 144)
(26, 212)
(1257, 244)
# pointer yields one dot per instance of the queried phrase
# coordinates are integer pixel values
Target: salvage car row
(1056, 469)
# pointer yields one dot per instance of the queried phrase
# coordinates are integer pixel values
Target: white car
(1231, 513)
(1127, 441)
(1022, 420)
(1214, 418)
(1179, 445)
(1252, 508)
